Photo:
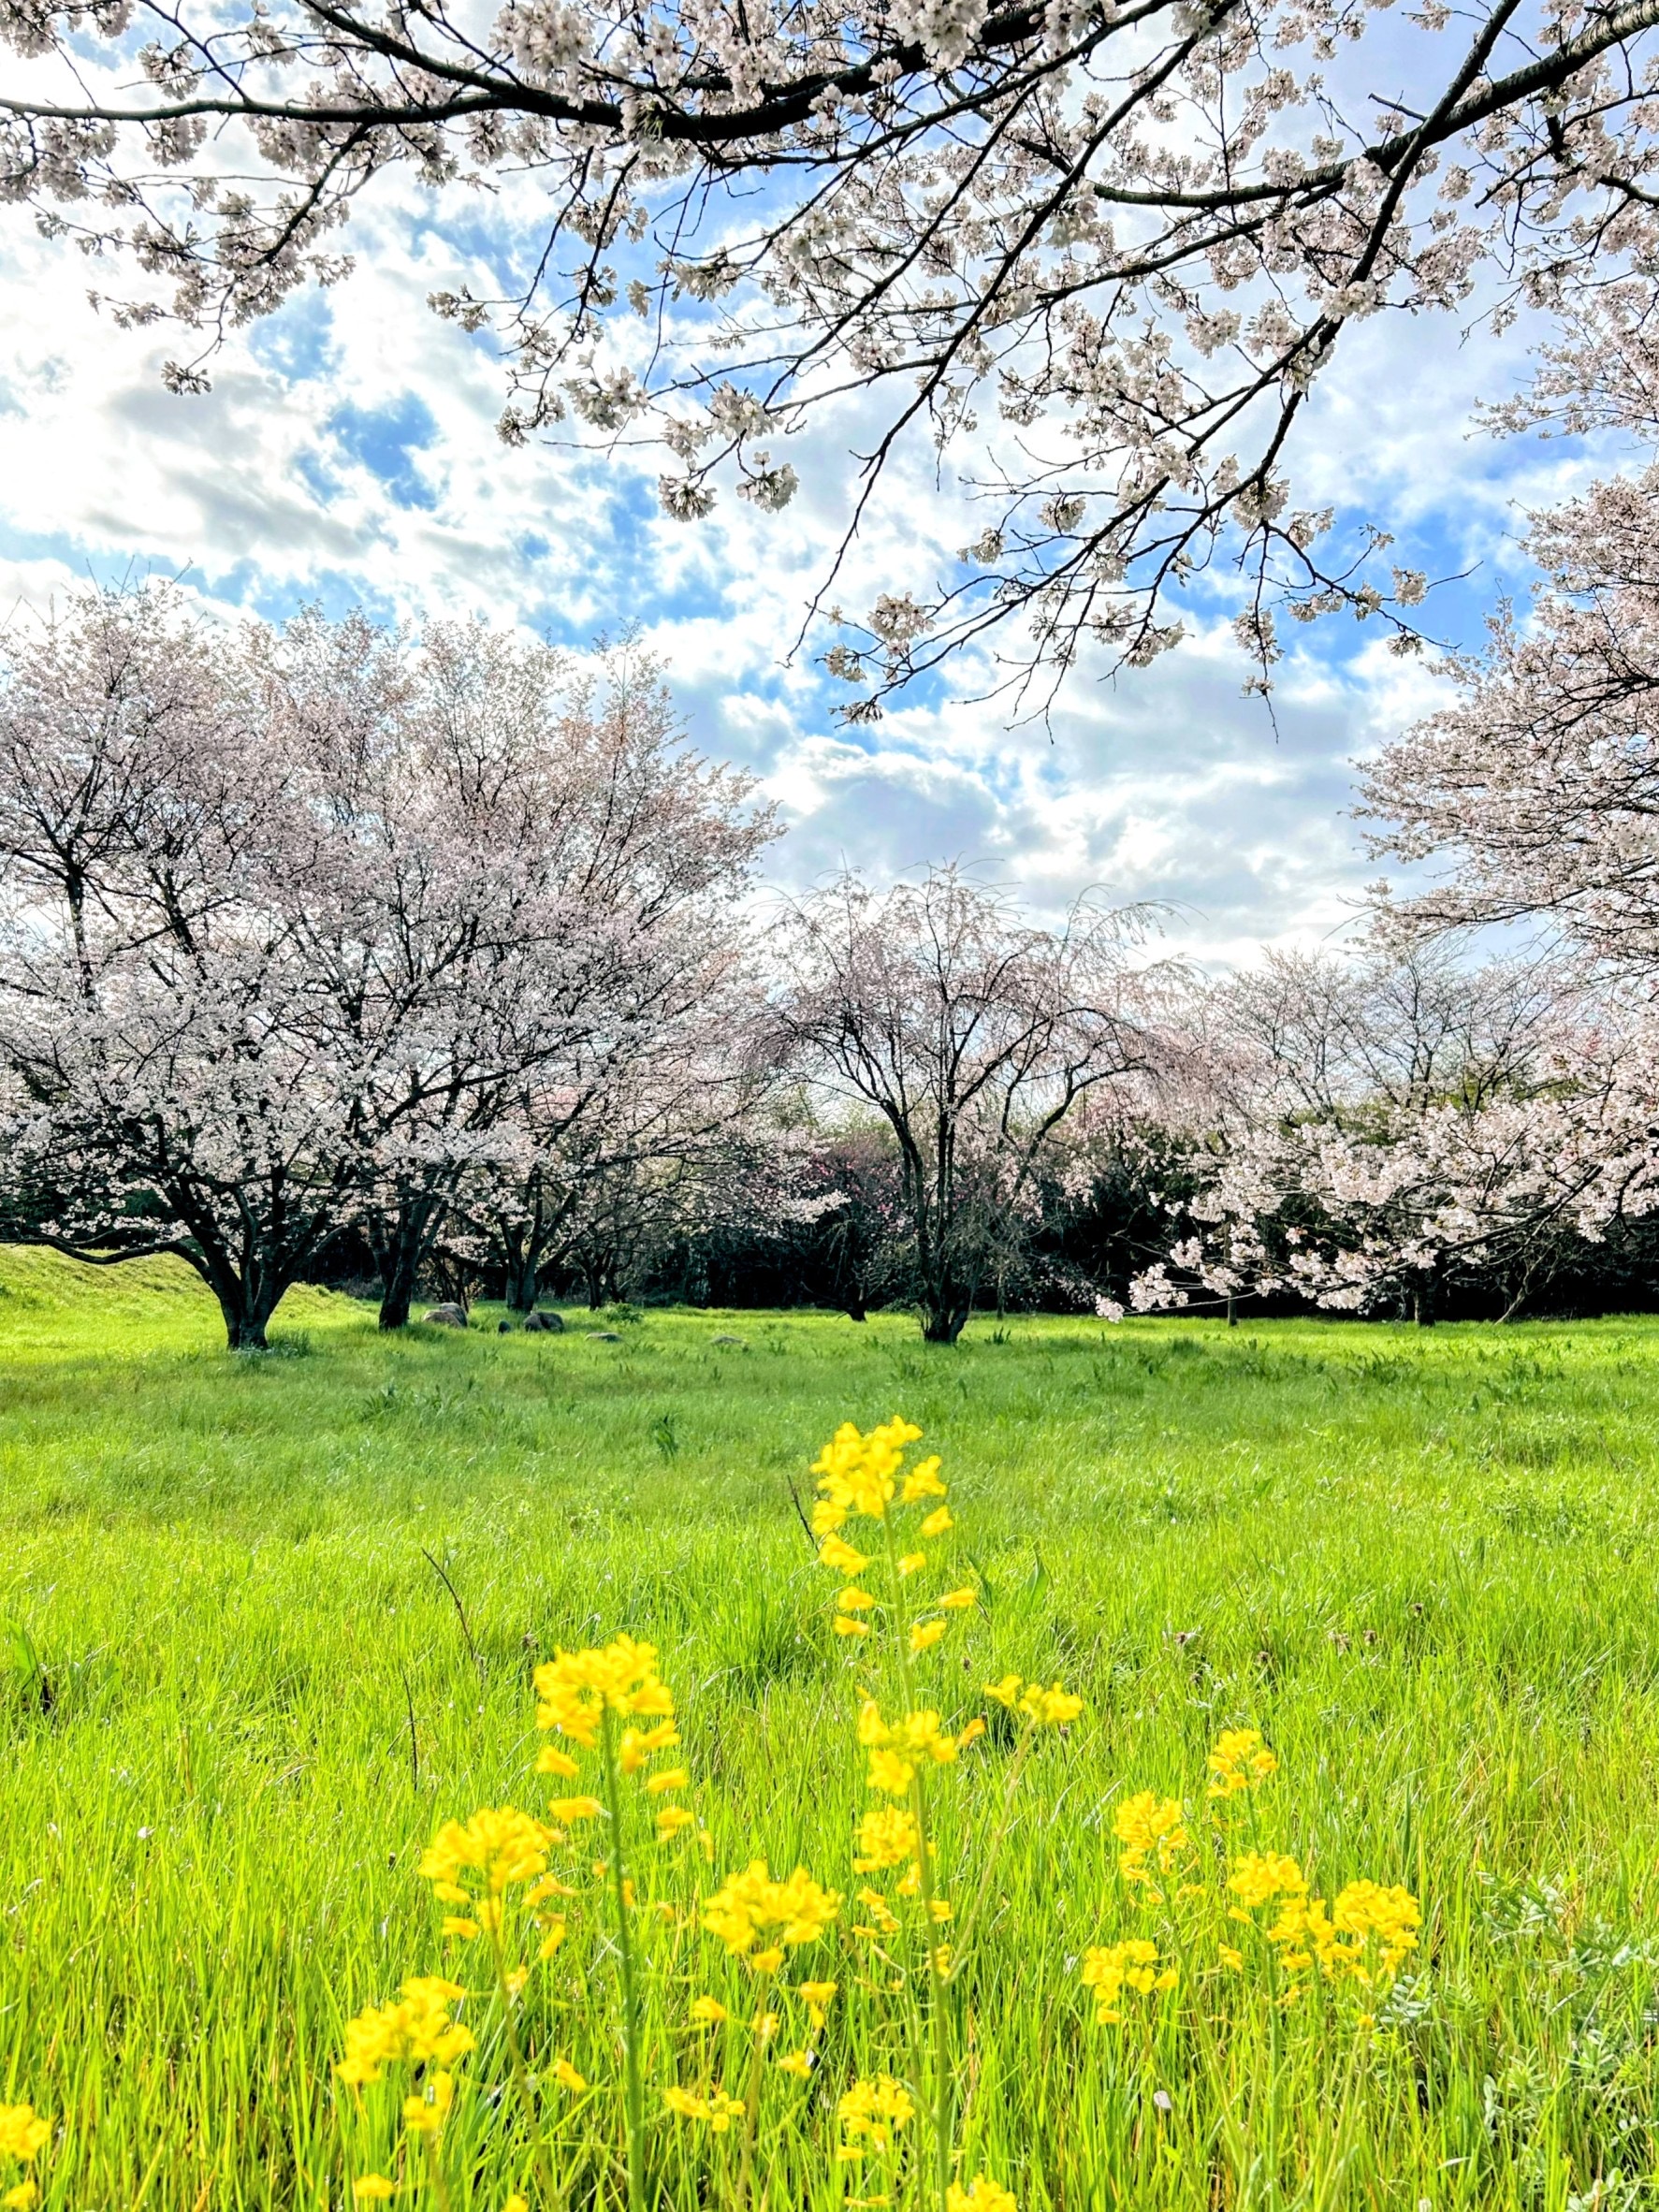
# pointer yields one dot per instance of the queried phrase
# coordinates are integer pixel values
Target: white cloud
(1167, 784)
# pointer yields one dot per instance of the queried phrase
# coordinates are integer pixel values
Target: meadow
(266, 1622)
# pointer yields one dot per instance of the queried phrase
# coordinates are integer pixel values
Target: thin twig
(460, 1609)
(801, 1512)
(413, 1740)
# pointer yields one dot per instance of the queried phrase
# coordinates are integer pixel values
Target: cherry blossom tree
(1536, 788)
(172, 1073)
(294, 923)
(557, 880)
(1374, 1130)
(972, 1034)
(1108, 251)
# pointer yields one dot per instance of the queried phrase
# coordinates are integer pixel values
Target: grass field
(237, 1701)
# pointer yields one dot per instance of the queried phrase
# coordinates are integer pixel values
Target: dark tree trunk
(945, 1308)
(1232, 1317)
(247, 1303)
(397, 1289)
(523, 1283)
(402, 1241)
(1422, 1301)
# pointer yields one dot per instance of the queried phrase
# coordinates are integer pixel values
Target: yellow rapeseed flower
(1108, 1970)
(1259, 1876)
(425, 2113)
(856, 1474)
(959, 1601)
(816, 1996)
(1007, 1691)
(24, 2134)
(982, 2194)
(925, 1634)
(498, 1847)
(912, 1563)
(835, 1553)
(640, 1744)
(854, 1600)
(374, 2188)
(576, 1689)
(886, 1838)
(846, 1625)
(417, 2028)
(923, 1481)
(919, 1735)
(717, 2109)
(937, 1523)
(565, 2074)
(1238, 1761)
(872, 2111)
(571, 1810)
(746, 1903)
(1149, 1826)
(707, 2012)
(1049, 1708)
(1388, 1917)
(797, 2062)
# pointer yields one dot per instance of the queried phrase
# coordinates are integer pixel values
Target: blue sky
(347, 455)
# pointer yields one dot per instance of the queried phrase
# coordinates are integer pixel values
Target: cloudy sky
(347, 453)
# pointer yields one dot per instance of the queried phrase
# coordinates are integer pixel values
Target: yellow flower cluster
(898, 1748)
(887, 1837)
(576, 1689)
(24, 2134)
(1149, 1826)
(871, 2111)
(1110, 1969)
(473, 1863)
(1045, 1708)
(751, 1904)
(1238, 1761)
(1259, 1876)
(418, 2027)
(1364, 1936)
(982, 2194)
(859, 1475)
(717, 2109)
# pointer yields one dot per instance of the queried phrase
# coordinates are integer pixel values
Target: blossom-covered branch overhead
(1111, 245)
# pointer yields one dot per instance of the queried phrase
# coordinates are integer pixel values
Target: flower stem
(751, 2102)
(944, 2086)
(999, 1836)
(632, 2077)
(544, 2164)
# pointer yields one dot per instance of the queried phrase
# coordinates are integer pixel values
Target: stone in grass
(738, 1341)
(447, 1317)
(552, 1323)
(602, 1336)
(503, 1328)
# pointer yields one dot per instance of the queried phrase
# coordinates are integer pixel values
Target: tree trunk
(522, 1283)
(397, 1285)
(400, 1242)
(945, 1308)
(247, 1305)
(1422, 1301)
(1232, 1318)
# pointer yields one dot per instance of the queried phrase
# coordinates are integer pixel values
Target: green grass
(1420, 1562)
